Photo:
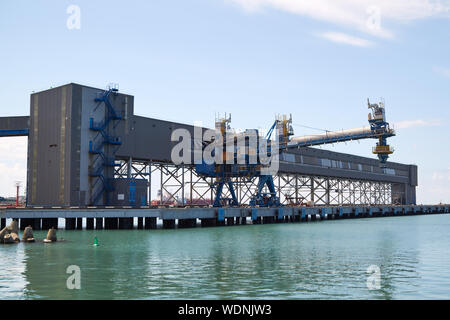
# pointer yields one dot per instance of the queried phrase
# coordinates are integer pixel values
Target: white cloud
(442, 71)
(343, 38)
(435, 188)
(417, 123)
(355, 14)
(13, 155)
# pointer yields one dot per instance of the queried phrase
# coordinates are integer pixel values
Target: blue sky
(188, 60)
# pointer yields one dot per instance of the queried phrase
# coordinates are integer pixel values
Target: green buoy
(95, 241)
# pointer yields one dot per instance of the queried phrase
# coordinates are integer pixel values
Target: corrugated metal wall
(59, 159)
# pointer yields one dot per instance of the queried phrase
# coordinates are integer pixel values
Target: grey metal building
(87, 147)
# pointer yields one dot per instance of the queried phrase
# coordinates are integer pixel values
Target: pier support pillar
(48, 223)
(125, 223)
(90, 223)
(243, 220)
(150, 223)
(140, 223)
(257, 220)
(169, 223)
(230, 221)
(98, 223)
(70, 223)
(111, 223)
(79, 223)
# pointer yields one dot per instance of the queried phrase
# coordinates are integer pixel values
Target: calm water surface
(318, 260)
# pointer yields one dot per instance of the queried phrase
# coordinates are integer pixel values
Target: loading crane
(243, 160)
(378, 129)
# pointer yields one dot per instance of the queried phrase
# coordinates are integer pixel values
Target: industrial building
(86, 147)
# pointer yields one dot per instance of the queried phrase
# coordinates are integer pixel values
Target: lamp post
(17, 193)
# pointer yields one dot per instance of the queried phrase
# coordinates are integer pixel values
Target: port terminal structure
(91, 157)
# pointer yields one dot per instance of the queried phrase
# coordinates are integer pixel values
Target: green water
(317, 260)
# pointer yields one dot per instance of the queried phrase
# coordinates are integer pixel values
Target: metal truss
(173, 185)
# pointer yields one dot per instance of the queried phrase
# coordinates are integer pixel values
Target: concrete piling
(257, 220)
(230, 221)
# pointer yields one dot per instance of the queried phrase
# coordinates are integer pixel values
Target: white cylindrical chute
(330, 135)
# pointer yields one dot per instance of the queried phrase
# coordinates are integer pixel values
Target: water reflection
(280, 261)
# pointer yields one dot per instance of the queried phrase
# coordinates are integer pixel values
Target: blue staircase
(97, 148)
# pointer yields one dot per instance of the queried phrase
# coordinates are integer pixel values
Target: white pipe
(331, 134)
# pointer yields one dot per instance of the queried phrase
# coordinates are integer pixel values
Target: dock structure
(86, 147)
(123, 218)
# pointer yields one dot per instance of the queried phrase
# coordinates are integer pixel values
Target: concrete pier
(115, 217)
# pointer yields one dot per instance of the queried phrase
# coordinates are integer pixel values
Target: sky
(189, 60)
